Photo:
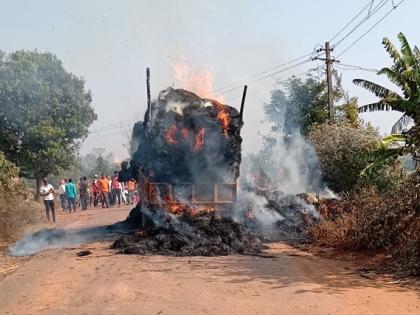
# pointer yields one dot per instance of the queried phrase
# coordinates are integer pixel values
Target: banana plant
(405, 73)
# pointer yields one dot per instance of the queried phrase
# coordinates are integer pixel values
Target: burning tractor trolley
(188, 153)
(187, 166)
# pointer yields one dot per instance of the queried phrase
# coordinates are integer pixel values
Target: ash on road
(291, 282)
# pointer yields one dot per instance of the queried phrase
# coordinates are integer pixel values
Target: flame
(194, 211)
(199, 139)
(222, 116)
(200, 82)
(171, 135)
(174, 206)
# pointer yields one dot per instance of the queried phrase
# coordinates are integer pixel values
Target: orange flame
(174, 206)
(171, 135)
(199, 139)
(222, 116)
(200, 82)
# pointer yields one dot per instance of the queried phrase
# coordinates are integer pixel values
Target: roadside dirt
(288, 281)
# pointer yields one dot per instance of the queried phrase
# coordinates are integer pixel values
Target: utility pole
(328, 63)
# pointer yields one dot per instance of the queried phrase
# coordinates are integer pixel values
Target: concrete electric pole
(328, 63)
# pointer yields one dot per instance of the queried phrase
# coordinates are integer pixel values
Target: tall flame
(199, 139)
(222, 116)
(200, 82)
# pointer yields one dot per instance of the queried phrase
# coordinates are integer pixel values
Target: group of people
(105, 190)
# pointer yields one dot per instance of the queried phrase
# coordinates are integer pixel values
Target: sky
(110, 43)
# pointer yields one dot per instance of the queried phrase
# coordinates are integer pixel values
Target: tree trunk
(38, 181)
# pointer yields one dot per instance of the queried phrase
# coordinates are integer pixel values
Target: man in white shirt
(62, 193)
(47, 191)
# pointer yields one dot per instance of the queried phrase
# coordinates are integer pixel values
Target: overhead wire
(395, 6)
(344, 66)
(370, 14)
(351, 21)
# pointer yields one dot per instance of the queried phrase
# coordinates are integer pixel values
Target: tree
(298, 105)
(97, 162)
(45, 113)
(405, 73)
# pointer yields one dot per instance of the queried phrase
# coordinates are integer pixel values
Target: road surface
(57, 281)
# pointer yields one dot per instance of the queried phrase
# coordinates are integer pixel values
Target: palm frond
(416, 53)
(375, 107)
(377, 89)
(396, 77)
(379, 158)
(407, 54)
(394, 138)
(394, 53)
(402, 124)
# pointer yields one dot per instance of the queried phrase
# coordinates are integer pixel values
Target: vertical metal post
(149, 106)
(242, 105)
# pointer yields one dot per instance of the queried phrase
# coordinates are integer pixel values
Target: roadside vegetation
(380, 197)
(17, 208)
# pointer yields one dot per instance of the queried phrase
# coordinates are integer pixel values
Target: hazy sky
(110, 43)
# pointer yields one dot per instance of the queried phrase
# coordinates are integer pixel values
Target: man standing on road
(47, 191)
(94, 192)
(116, 190)
(84, 193)
(71, 194)
(62, 193)
(104, 190)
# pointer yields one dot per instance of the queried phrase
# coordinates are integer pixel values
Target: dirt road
(293, 282)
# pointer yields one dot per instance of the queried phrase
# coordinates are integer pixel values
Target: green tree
(405, 73)
(45, 113)
(298, 105)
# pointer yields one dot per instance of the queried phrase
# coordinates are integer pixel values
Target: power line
(370, 14)
(351, 21)
(371, 28)
(343, 66)
(266, 76)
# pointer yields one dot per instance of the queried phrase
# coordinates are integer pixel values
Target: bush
(342, 151)
(16, 208)
(370, 220)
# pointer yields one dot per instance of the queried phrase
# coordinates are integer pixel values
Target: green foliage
(405, 73)
(299, 104)
(348, 112)
(9, 177)
(45, 112)
(16, 211)
(343, 150)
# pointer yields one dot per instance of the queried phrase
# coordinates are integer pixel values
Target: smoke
(274, 180)
(59, 238)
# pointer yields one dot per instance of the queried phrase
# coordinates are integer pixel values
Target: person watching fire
(104, 190)
(47, 191)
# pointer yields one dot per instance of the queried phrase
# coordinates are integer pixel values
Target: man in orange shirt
(131, 187)
(104, 190)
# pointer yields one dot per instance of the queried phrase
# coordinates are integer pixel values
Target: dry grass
(387, 222)
(16, 215)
